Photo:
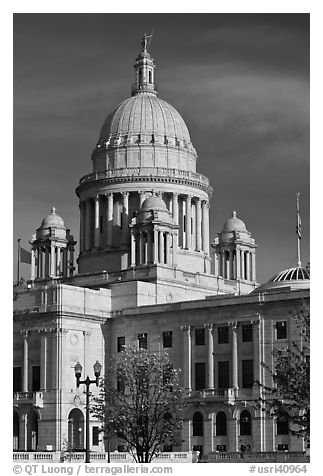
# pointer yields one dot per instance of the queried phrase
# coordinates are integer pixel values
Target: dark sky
(240, 81)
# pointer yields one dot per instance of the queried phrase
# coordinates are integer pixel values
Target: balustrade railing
(145, 171)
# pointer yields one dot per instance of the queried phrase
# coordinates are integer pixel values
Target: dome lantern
(144, 68)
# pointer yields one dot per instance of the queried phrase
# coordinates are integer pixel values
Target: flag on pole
(298, 219)
(25, 256)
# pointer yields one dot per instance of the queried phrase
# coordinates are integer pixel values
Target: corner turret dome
(50, 222)
(234, 224)
(154, 208)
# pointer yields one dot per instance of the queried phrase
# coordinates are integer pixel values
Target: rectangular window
(35, 378)
(17, 379)
(199, 336)
(247, 333)
(223, 335)
(199, 376)
(247, 373)
(281, 330)
(142, 340)
(95, 436)
(121, 342)
(167, 339)
(223, 374)
(168, 448)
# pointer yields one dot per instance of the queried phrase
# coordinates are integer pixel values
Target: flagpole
(18, 262)
(298, 231)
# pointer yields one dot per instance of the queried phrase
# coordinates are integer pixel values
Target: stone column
(125, 217)
(238, 264)
(205, 226)
(81, 227)
(243, 269)
(161, 247)
(96, 221)
(149, 250)
(109, 218)
(198, 225)
(141, 248)
(231, 268)
(43, 360)
(256, 357)
(52, 260)
(168, 244)
(253, 266)
(248, 265)
(175, 211)
(187, 358)
(25, 386)
(210, 357)
(188, 241)
(224, 264)
(133, 250)
(55, 358)
(58, 260)
(88, 224)
(155, 253)
(234, 327)
(33, 264)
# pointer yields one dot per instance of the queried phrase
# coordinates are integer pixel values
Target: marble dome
(234, 224)
(51, 221)
(293, 278)
(154, 208)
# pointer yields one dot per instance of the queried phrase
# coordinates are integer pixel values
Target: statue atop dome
(145, 42)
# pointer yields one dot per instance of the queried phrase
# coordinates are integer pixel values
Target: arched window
(32, 431)
(197, 424)
(150, 77)
(245, 423)
(221, 424)
(282, 424)
(15, 430)
(76, 430)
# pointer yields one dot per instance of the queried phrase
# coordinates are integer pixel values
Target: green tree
(139, 402)
(290, 394)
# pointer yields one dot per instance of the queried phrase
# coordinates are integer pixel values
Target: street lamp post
(87, 382)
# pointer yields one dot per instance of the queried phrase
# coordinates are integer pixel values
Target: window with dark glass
(121, 386)
(282, 424)
(197, 424)
(199, 336)
(221, 424)
(168, 448)
(121, 342)
(281, 330)
(247, 373)
(247, 333)
(120, 448)
(142, 340)
(223, 374)
(35, 378)
(282, 447)
(95, 436)
(221, 448)
(223, 335)
(167, 339)
(17, 379)
(101, 224)
(199, 376)
(245, 423)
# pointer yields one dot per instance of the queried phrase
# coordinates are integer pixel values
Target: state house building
(148, 275)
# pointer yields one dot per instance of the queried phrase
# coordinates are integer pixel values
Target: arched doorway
(32, 431)
(76, 430)
(15, 431)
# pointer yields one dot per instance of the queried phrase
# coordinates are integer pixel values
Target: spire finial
(234, 214)
(53, 210)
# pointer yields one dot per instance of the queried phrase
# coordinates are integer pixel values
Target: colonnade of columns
(210, 331)
(152, 247)
(236, 263)
(51, 261)
(49, 343)
(99, 215)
